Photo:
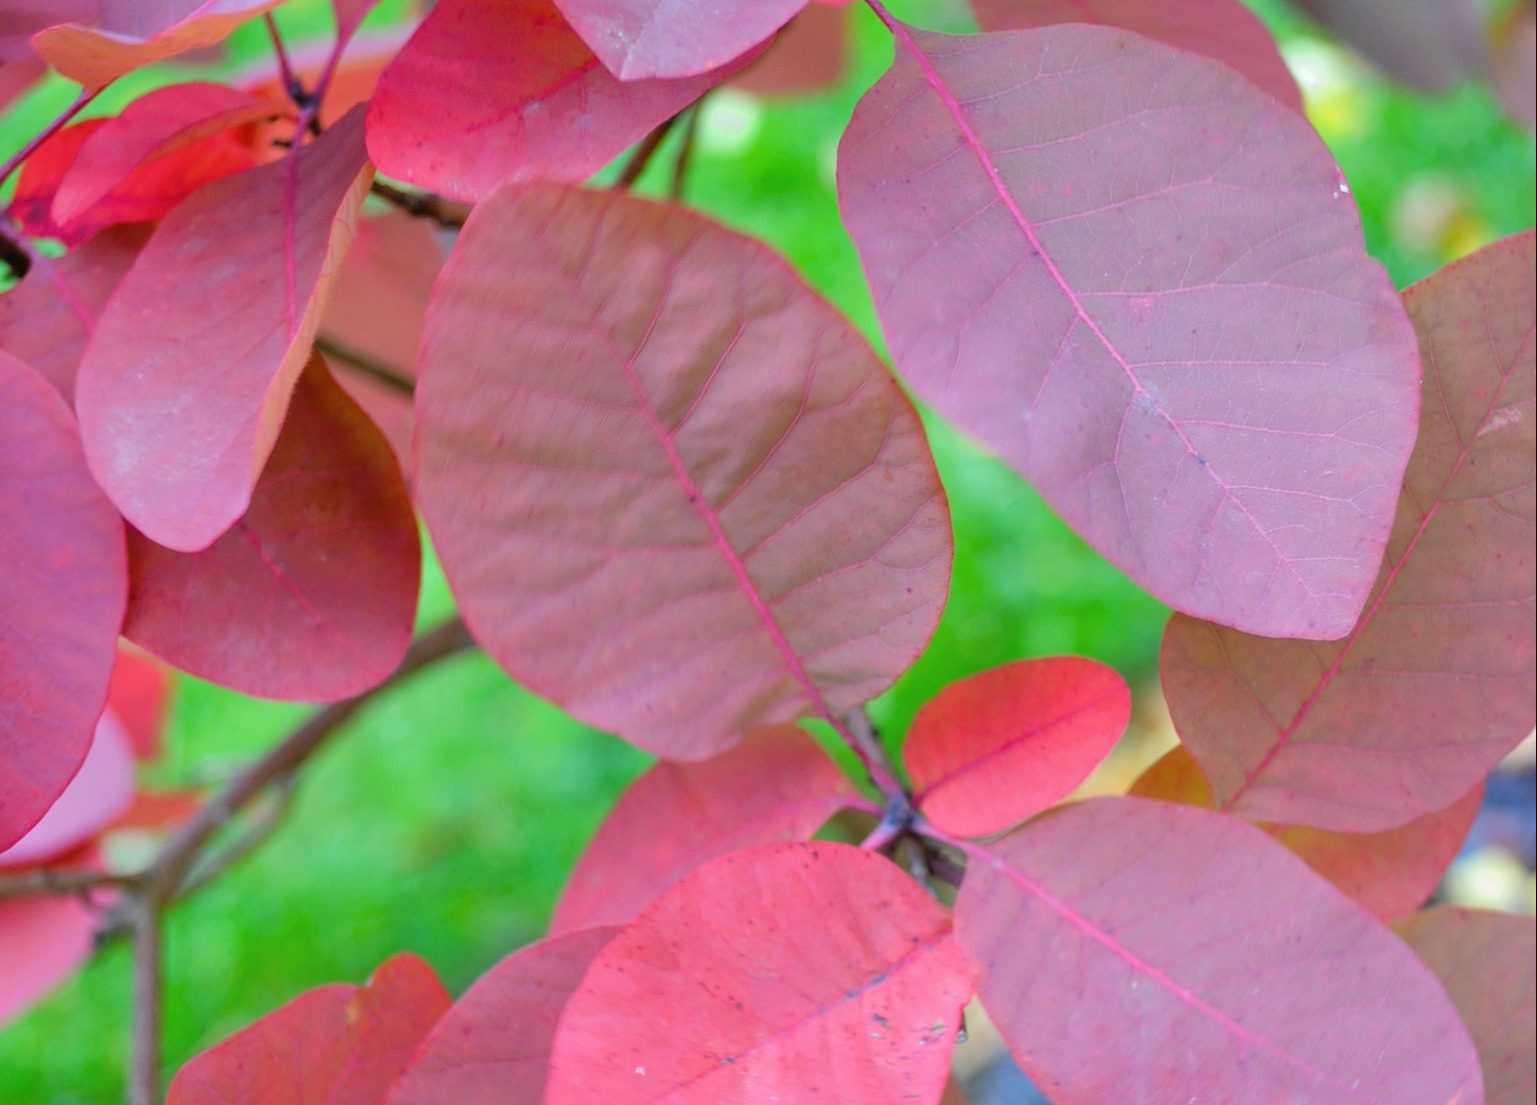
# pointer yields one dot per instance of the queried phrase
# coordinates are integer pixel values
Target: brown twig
(424, 205)
(61, 882)
(58, 124)
(374, 369)
(685, 159)
(643, 155)
(148, 980)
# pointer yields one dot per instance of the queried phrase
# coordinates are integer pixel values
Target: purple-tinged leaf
(1131, 950)
(1426, 44)
(1059, 261)
(693, 502)
(1436, 683)
(637, 39)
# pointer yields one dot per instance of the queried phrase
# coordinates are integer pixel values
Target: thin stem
(374, 369)
(290, 79)
(61, 882)
(47, 132)
(686, 151)
(643, 155)
(148, 948)
(857, 731)
(424, 205)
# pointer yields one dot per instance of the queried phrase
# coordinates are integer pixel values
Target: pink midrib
(1325, 681)
(974, 141)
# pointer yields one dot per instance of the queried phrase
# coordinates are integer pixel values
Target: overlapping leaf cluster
(679, 495)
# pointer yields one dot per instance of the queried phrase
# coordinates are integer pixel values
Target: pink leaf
(1436, 683)
(99, 793)
(1391, 873)
(377, 310)
(776, 785)
(493, 1046)
(62, 603)
(140, 697)
(636, 39)
(312, 594)
(337, 1045)
(1487, 964)
(788, 972)
(692, 461)
(132, 33)
(1220, 29)
(487, 92)
(181, 393)
(1058, 261)
(192, 120)
(998, 747)
(42, 942)
(1196, 959)
(1429, 44)
(810, 55)
(19, 21)
(48, 319)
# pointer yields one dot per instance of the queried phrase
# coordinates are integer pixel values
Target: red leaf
(787, 972)
(1195, 959)
(42, 942)
(312, 594)
(487, 92)
(809, 55)
(48, 319)
(636, 39)
(100, 791)
(776, 785)
(62, 551)
(692, 460)
(129, 34)
(1220, 29)
(493, 1046)
(1391, 873)
(140, 696)
(1487, 964)
(162, 148)
(377, 310)
(1436, 683)
(41, 174)
(1429, 45)
(341, 1045)
(1058, 262)
(181, 393)
(998, 747)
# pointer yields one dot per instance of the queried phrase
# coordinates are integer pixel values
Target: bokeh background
(445, 820)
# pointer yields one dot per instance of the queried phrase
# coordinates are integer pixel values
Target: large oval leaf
(182, 390)
(674, 38)
(788, 972)
(776, 785)
(311, 595)
(672, 489)
(1222, 29)
(1436, 683)
(1261, 984)
(101, 790)
(336, 1044)
(1000, 746)
(42, 942)
(61, 601)
(493, 1046)
(491, 92)
(1488, 963)
(1058, 263)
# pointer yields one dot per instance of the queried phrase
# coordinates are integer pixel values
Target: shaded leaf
(1261, 984)
(791, 972)
(337, 1045)
(777, 785)
(182, 391)
(48, 319)
(1057, 263)
(1436, 683)
(809, 55)
(1426, 44)
(1487, 963)
(125, 170)
(66, 582)
(128, 34)
(487, 92)
(1000, 746)
(1513, 62)
(140, 696)
(493, 1046)
(19, 21)
(311, 595)
(1391, 873)
(99, 792)
(636, 39)
(1222, 29)
(692, 460)
(42, 942)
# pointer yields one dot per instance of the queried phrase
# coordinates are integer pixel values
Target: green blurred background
(445, 820)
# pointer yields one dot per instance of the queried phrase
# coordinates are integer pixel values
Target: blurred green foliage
(444, 821)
